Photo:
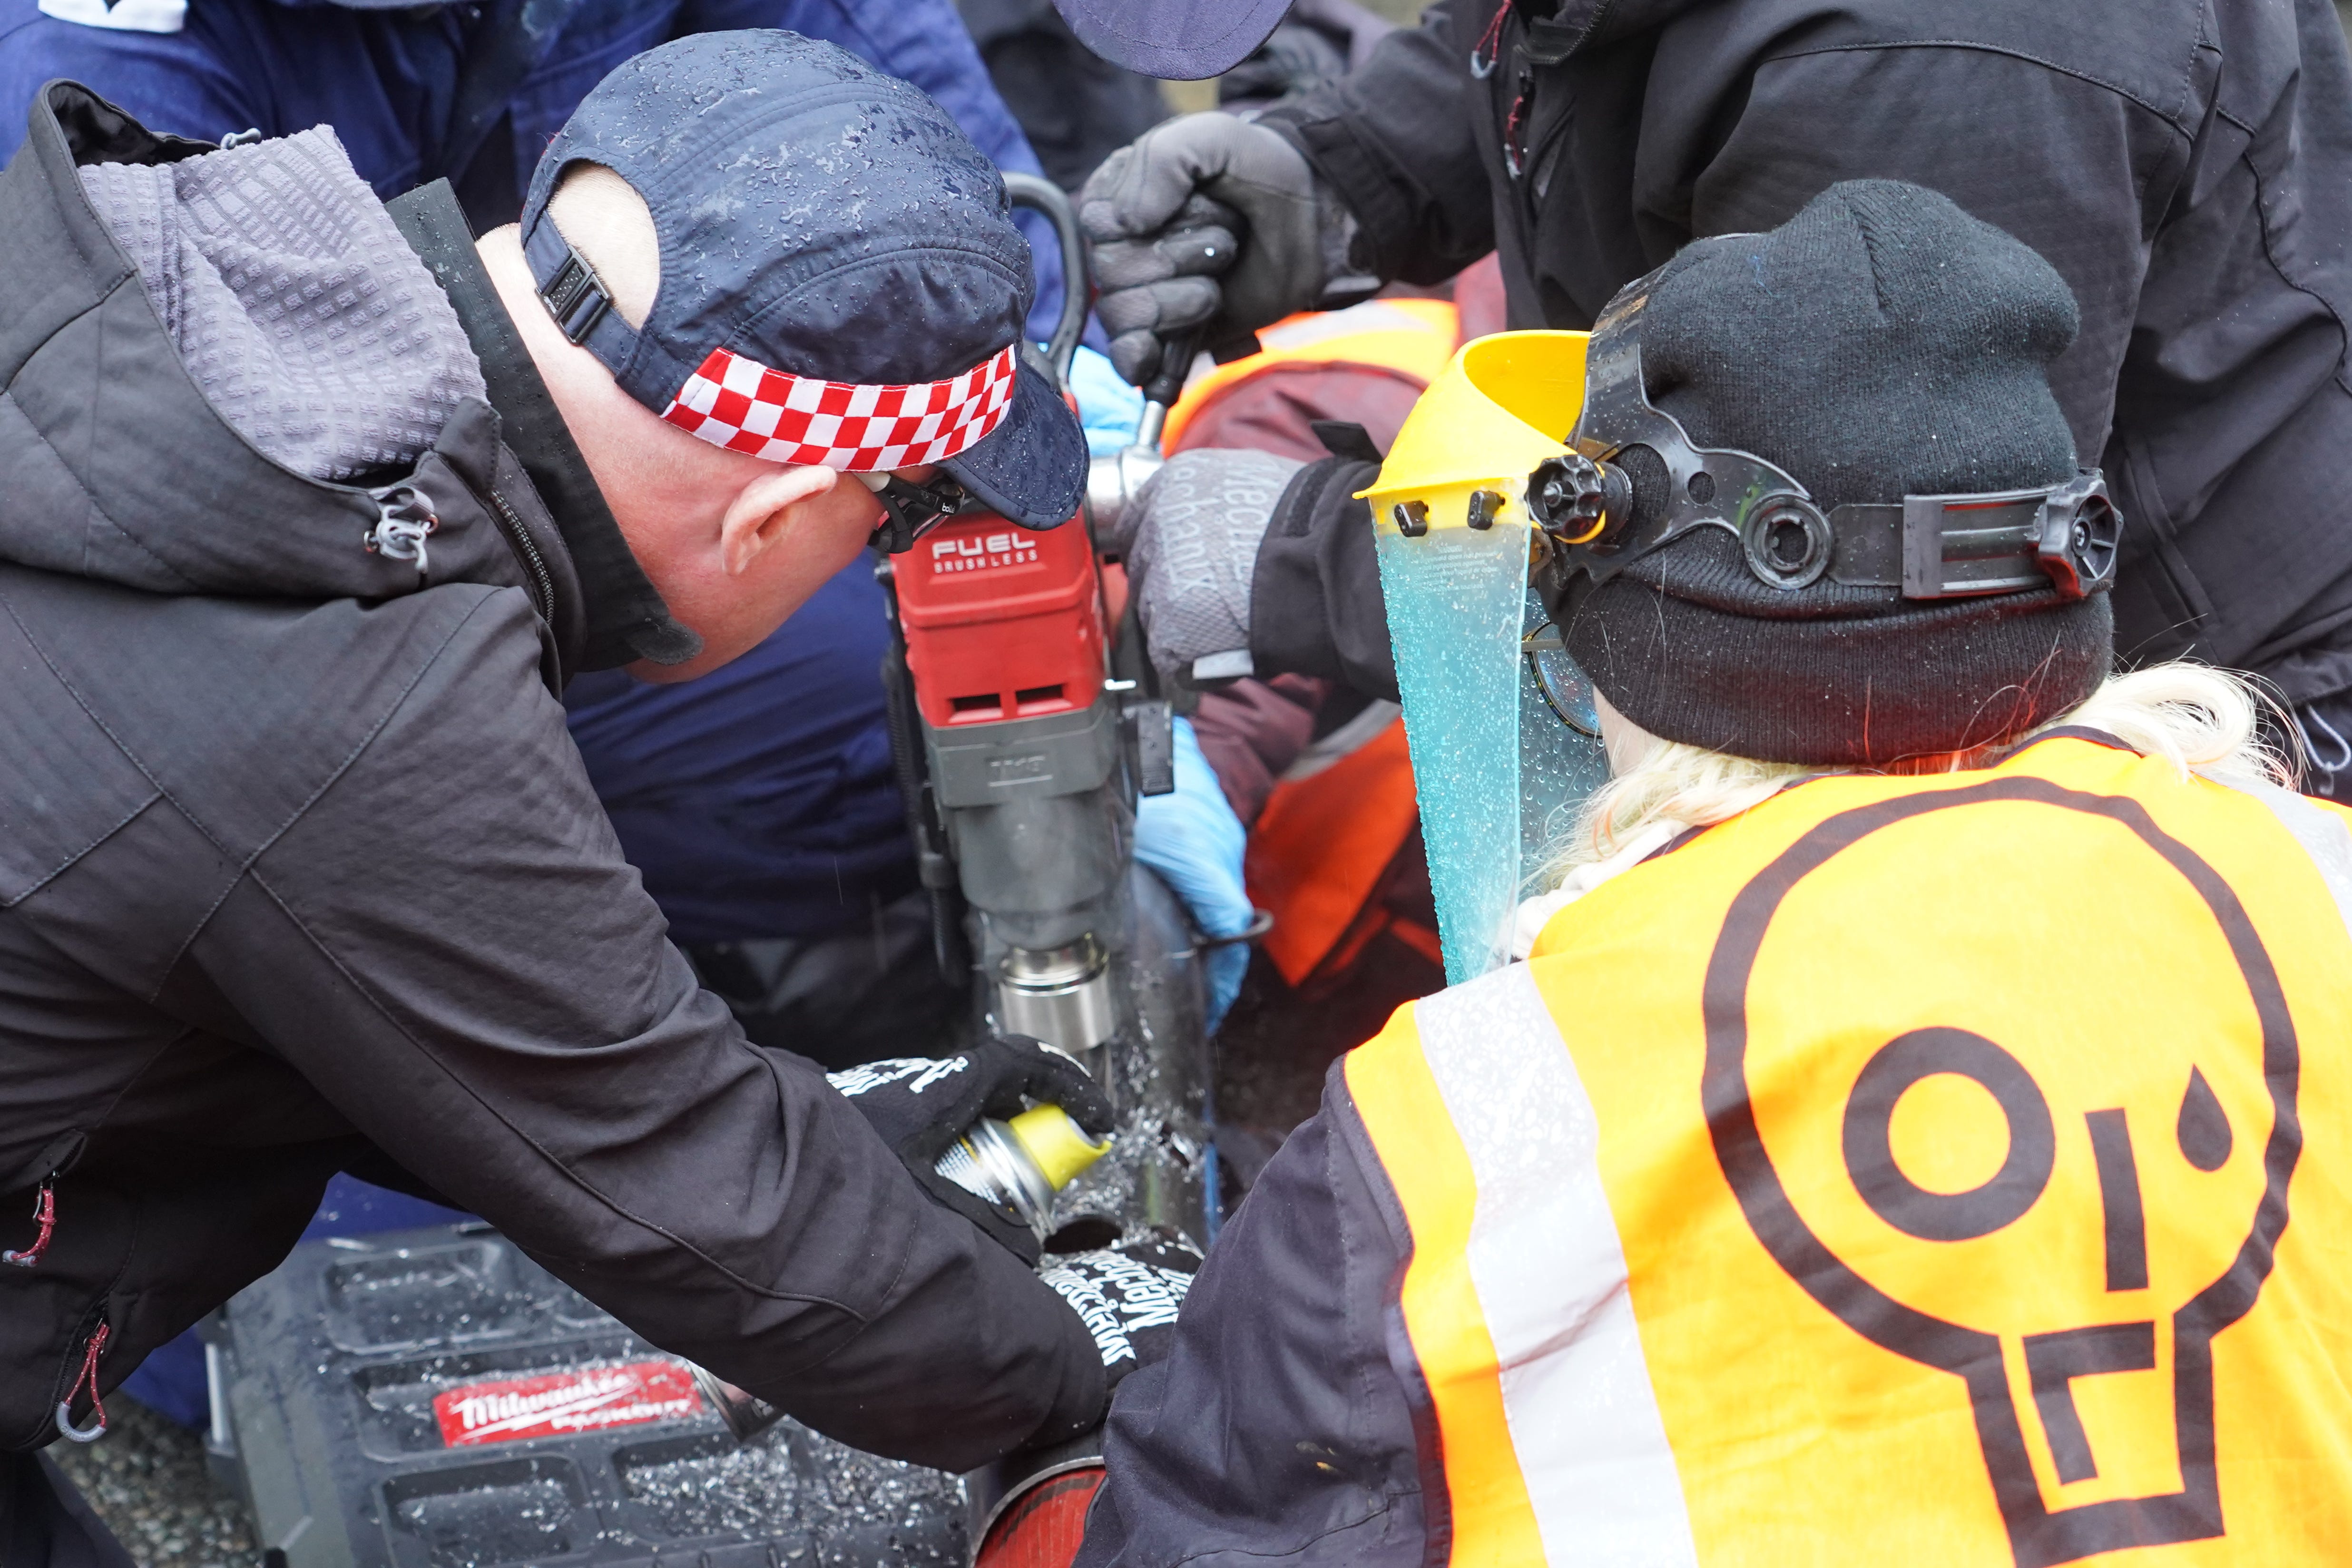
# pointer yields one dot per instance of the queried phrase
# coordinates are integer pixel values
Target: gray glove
(1208, 218)
(1189, 539)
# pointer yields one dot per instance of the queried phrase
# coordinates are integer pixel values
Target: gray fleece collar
(301, 316)
(627, 617)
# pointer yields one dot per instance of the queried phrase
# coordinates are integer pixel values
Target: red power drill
(1020, 754)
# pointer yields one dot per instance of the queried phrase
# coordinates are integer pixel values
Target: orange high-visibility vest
(1920, 1171)
(1317, 853)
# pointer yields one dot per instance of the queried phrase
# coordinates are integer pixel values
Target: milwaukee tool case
(434, 1399)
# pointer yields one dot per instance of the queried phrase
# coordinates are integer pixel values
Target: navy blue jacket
(387, 80)
(758, 802)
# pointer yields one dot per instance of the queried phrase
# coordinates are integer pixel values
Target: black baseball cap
(1182, 39)
(841, 280)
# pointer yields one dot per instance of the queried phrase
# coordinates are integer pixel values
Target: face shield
(1536, 458)
(1505, 743)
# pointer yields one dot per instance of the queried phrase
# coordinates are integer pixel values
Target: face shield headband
(1930, 547)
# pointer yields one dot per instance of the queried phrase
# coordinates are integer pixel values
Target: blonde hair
(2190, 715)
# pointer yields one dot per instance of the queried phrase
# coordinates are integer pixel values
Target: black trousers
(45, 1524)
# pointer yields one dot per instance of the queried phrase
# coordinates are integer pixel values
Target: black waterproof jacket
(2186, 164)
(1289, 1424)
(299, 871)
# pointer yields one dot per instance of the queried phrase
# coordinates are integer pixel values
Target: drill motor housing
(1006, 646)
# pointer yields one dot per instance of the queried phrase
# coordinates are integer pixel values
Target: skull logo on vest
(1965, 1259)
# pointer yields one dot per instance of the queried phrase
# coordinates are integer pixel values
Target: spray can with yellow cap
(1019, 1164)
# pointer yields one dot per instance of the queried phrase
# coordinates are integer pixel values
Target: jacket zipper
(1515, 127)
(45, 1215)
(89, 1374)
(542, 581)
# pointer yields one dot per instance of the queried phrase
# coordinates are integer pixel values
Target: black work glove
(1128, 1296)
(921, 1105)
(1206, 218)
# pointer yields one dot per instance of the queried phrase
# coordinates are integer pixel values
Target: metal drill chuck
(1061, 995)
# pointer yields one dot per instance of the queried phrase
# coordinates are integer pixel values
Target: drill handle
(1176, 351)
(1077, 284)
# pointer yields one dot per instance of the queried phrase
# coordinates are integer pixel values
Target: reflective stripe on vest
(1515, 1299)
(1936, 1171)
(2321, 830)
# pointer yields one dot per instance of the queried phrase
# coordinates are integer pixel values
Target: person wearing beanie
(1881, 343)
(2186, 168)
(311, 508)
(1916, 1129)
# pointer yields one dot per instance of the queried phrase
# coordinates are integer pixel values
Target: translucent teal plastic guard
(1558, 770)
(1454, 598)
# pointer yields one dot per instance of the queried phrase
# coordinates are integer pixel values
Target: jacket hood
(298, 310)
(120, 469)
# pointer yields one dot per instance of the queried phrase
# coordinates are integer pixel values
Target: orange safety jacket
(1952, 1170)
(1404, 341)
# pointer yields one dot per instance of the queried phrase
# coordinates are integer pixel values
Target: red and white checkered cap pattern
(744, 407)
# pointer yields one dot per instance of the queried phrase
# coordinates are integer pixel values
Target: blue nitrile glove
(1107, 407)
(1191, 837)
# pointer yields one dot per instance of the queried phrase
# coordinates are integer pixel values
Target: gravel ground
(146, 1480)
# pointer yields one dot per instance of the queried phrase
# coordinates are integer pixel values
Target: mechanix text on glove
(1128, 1296)
(1190, 539)
(916, 1073)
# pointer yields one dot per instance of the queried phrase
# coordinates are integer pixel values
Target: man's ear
(763, 512)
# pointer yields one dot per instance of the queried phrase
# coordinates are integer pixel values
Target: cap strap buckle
(911, 510)
(575, 297)
(577, 300)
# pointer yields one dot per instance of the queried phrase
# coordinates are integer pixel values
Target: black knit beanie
(1881, 343)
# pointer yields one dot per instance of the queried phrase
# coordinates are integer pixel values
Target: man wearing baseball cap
(311, 508)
